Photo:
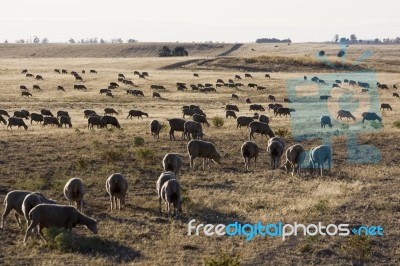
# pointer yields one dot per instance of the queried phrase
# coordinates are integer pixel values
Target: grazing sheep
(155, 128)
(26, 112)
(243, 121)
(232, 107)
(264, 119)
(195, 75)
(94, 120)
(2, 120)
(256, 107)
(295, 156)
(249, 150)
(261, 88)
(203, 149)
(272, 98)
(261, 128)
(282, 111)
(46, 112)
(171, 194)
(4, 112)
(26, 93)
(395, 94)
(248, 75)
(344, 113)
(394, 86)
(172, 162)
(267, 76)
(318, 156)
(62, 113)
(110, 111)
(36, 87)
(37, 118)
(248, 100)
(386, 106)
(237, 77)
(31, 201)
(48, 215)
(65, 120)
(136, 113)
(117, 186)
(230, 113)
(324, 97)
(275, 148)
(74, 192)
(200, 119)
(110, 120)
(176, 124)
(370, 117)
(156, 95)
(14, 121)
(187, 111)
(164, 177)
(199, 112)
(88, 113)
(192, 128)
(325, 120)
(50, 121)
(234, 96)
(101, 91)
(20, 114)
(13, 201)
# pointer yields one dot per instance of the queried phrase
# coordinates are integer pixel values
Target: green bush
(223, 259)
(358, 247)
(138, 141)
(283, 132)
(145, 155)
(396, 124)
(218, 121)
(376, 124)
(111, 156)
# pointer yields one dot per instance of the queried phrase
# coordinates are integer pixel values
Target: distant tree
(321, 53)
(6, 41)
(377, 40)
(102, 40)
(397, 40)
(132, 41)
(353, 38)
(71, 40)
(45, 40)
(165, 51)
(82, 41)
(20, 41)
(336, 38)
(179, 51)
(344, 40)
(272, 40)
(36, 40)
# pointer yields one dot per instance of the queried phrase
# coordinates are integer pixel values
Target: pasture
(44, 158)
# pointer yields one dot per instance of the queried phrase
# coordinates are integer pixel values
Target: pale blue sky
(206, 20)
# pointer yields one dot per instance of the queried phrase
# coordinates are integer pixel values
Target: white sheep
(31, 201)
(203, 149)
(171, 194)
(13, 201)
(295, 156)
(172, 162)
(74, 192)
(47, 215)
(275, 148)
(164, 177)
(117, 186)
(249, 150)
(318, 156)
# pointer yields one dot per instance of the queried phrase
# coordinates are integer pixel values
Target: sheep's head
(217, 158)
(92, 226)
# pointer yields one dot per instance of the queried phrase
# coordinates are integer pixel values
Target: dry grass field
(44, 158)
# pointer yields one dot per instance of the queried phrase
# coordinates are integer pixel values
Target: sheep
(110, 111)
(256, 107)
(282, 111)
(136, 113)
(14, 121)
(32, 200)
(36, 117)
(117, 186)
(110, 120)
(21, 114)
(395, 94)
(199, 112)
(74, 191)
(243, 121)
(3, 120)
(13, 201)
(176, 124)
(272, 98)
(234, 96)
(155, 128)
(249, 150)
(62, 113)
(47, 215)
(172, 162)
(200, 119)
(65, 120)
(232, 107)
(386, 106)
(203, 149)
(325, 120)
(295, 156)
(26, 112)
(109, 94)
(370, 117)
(264, 119)
(318, 155)
(344, 113)
(248, 100)
(230, 113)
(164, 177)
(94, 120)
(104, 91)
(50, 121)
(192, 128)
(261, 128)
(46, 112)
(26, 93)
(156, 95)
(171, 194)
(187, 111)
(275, 148)
(87, 113)
(5, 113)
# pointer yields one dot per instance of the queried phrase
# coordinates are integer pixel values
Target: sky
(198, 21)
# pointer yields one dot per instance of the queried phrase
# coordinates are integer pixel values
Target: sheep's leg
(18, 220)
(168, 209)
(29, 231)
(159, 204)
(5, 213)
(204, 164)
(41, 233)
(111, 201)
(191, 162)
(255, 162)
(322, 169)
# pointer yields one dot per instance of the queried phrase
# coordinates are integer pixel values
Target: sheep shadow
(201, 213)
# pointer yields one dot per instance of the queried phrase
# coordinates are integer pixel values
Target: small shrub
(111, 156)
(321, 206)
(396, 124)
(96, 144)
(185, 196)
(223, 259)
(376, 125)
(81, 163)
(145, 155)
(218, 121)
(358, 247)
(345, 127)
(283, 132)
(138, 141)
